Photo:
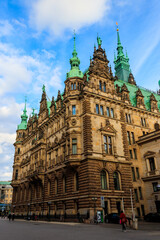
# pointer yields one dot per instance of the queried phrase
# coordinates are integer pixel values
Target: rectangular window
(129, 118)
(155, 186)
(105, 144)
(74, 86)
(97, 108)
(130, 152)
(138, 212)
(128, 137)
(112, 113)
(140, 192)
(132, 135)
(56, 155)
(143, 122)
(137, 172)
(133, 174)
(136, 195)
(152, 164)
(135, 153)
(108, 112)
(108, 144)
(101, 110)
(74, 145)
(126, 117)
(64, 152)
(73, 109)
(143, 211)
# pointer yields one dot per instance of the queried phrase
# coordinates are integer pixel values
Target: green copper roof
(48, 107)
(24, 117)
(122, 67)
(5, 183)
(132, 94)
(75, 62)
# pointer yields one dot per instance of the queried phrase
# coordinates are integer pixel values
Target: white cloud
(56, 80)
(6, 28)
(7, 138)
(18, 72)
(58, 16)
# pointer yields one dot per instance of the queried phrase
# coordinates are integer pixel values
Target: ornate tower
(75, 62)
(122, 67)
(18, 144)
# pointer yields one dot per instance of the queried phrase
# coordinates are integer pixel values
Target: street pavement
(31, 230)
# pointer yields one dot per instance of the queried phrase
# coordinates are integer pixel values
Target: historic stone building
(150, 155)
(82, 146)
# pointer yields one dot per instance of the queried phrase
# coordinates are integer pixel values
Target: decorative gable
(108, 129)
(153, 102)
(125, 93)
(140, 99)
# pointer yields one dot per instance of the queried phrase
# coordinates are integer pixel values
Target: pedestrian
(123, 221)
(13, 217)
(9, 216)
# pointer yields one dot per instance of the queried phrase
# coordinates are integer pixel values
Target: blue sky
(36, 42)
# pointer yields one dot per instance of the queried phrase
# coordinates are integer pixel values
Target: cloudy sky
(36, 42)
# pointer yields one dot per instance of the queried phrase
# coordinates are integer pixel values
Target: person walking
(123, 221)
(9, 216)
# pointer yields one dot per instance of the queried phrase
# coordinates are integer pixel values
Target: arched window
(104, 87)
(116, 181)
(100, 85)
(103, 180)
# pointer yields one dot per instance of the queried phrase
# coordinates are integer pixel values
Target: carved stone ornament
(73, 122)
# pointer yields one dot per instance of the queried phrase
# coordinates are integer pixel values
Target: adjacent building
(5, 196)
(150, 154)
(79, 154)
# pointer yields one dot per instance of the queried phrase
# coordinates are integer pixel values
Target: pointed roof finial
(115, 56)
(43, 88)
(75, 62)
(74, 53)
